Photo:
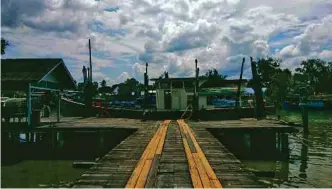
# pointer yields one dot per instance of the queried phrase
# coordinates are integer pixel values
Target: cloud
(316, 36)
(122, 77)
(14, 12)
(169, 35)
(289, 51)
(326, 54)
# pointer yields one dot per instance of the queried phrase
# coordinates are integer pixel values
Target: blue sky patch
(112, 9)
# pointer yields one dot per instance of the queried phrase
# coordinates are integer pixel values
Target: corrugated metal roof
(20, 72)
(26, 69)
(219, 91)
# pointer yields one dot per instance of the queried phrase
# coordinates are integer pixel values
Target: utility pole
(195, 108)
(88, 88)
(90, 61)
(146, 85)
(260, 113)
(237, 102)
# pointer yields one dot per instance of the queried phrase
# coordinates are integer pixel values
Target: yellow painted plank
(201, 154)
(161, 144)
(216, 183)
(203, 159)
(201, 171)
(144, 174)
(138, 169)
(196, 181)
(141, 172)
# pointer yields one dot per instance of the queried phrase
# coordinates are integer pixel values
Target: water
(307, 163)
(44, 159)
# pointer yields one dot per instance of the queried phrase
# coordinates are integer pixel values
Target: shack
(178, 93)
(34, 75)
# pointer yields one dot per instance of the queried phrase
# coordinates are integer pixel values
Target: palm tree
(4, 44)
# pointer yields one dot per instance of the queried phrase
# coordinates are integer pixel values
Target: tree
(214, 75)
(80, 86)
(94, 88)
(103, 83)
(317, 73)
(164, 75)
(279, 86)
(4, 44)
(213, 78)
(130, 85)
(266, 68)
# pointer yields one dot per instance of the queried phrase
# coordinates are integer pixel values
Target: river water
(45, 159)
(310, 156)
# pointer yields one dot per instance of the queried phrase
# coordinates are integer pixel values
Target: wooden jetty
(167, 154)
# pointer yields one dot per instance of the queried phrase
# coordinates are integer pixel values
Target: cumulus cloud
(169, 35)
(122, 77)
(316, 36)
(289, 51)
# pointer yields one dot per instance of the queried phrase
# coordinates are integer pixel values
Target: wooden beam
(43, 88)
(260, 113)
(90, 61)
(58, 106)
(205, 172)
(144, 169)
(49, 72)
(237, 102)
(29, 105)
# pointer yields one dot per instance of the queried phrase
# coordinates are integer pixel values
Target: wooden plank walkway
(115, 168)
(227, 167)
(157, 155)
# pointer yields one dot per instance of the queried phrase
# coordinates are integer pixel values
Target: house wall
(183, 99)
(202, 102)
(179, 99)
(160, 99)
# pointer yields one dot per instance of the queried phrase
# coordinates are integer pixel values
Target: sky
(168, 34)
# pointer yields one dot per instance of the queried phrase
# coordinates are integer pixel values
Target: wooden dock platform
(171, 167)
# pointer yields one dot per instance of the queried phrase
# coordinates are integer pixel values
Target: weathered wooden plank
(151, 179)
(204, 168)
(144, 174)
(195, 178)
(202, 172)
(165, 180)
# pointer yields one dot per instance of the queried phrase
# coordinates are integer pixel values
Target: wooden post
(284, 145)
(146, 85)
(195, 104)
(304, 154)
(29, 105)
(58, 106)
(305, 119)
(88, 87)
(260, 113)
(237, 104)
(90, 61)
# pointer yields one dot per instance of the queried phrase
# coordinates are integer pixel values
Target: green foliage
(266, 68)
(80, 86)
(213, 74)
(103, 83)
(279, 85)
(164, 75)
(317, 73)
(313, 76)
(129, 86)
(94, 88)
(213, 78)
(4, 44)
